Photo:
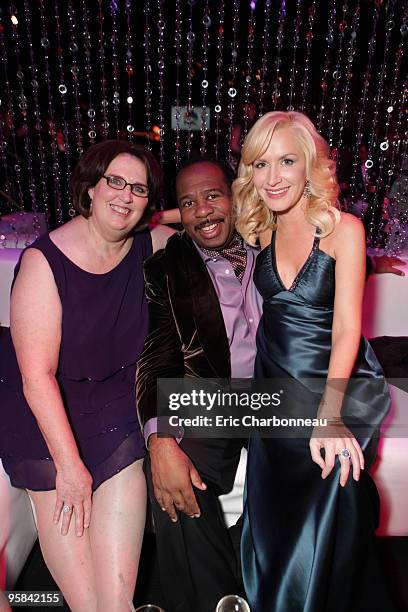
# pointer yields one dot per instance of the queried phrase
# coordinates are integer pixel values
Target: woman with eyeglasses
(70, 433)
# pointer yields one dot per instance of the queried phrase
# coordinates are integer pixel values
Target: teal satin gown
(308, 545)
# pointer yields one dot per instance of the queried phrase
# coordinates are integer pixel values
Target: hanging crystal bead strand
(232, 90)
(351, 51)
(337, 76)
(129, 68)
(248, 69)
(75, 70)
(324, 84)
(34, 70)
(3, 142)
(190, 49)
(6, 183)
(295, 44)
(25, 129)
(393, 101)
(276, 92)
(265, 55)
(161, 27)
(9, 114)
(309, 41)
(147, 70)
(363, 102)
(87, 50)
(374, 230)
(55, 166)
(177, 63)
(204, 82)
(114, 8)
(220, 79)
(101, 65)
(63, 90)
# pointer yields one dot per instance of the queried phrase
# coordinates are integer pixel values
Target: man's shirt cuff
(161, 425)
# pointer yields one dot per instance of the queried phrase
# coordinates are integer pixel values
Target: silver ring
(66, 509)
(345, 453)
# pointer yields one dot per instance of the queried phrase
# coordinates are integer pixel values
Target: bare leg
(96, 570)
(68, 558)
(116, 534)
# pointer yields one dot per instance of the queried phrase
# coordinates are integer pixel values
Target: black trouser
(199, 558)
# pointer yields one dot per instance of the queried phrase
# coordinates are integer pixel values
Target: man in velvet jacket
(204, 311)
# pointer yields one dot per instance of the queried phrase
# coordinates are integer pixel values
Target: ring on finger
(345, 453)
(66, 509)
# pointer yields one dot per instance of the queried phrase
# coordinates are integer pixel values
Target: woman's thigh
(116, 534)
(68, 557)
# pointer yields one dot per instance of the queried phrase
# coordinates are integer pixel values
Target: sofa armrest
(17, 531)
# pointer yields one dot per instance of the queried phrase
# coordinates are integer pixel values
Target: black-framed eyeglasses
(119, 183)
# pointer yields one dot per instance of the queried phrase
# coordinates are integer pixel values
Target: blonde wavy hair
(322, 210)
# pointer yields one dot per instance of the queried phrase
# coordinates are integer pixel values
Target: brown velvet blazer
(187, 335)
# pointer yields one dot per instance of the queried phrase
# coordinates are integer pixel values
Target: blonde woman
(311, 507)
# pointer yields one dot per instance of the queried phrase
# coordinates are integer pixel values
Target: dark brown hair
(93, 164)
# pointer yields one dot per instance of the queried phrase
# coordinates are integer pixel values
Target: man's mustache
(208, 222)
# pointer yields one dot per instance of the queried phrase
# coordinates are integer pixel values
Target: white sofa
(17, 531)
(17, 528)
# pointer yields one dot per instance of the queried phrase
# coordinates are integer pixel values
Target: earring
(307, 192)
(90, 206)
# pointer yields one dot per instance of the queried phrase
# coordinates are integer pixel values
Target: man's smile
(208, 224)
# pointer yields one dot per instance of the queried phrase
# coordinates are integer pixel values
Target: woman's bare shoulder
(349, 222)
(348, 232)
(348, 238)
(348, 228)
(265, 238)
(69, 233)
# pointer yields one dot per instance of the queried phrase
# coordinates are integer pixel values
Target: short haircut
(225, 168)
(93, 165)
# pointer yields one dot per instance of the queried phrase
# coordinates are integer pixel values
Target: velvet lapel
(206, 308)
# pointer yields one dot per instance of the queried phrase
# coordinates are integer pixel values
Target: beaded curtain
(182, 76)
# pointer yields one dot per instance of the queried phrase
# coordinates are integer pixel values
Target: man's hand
(173, 476)
(383, 264)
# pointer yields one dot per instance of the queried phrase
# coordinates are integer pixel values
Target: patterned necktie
(235, 253)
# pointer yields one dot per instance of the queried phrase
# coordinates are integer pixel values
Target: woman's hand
(334, 439)
(74, 493)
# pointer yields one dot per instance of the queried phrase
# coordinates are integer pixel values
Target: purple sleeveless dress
(104, 325)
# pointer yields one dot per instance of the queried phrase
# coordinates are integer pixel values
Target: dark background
(99, 48)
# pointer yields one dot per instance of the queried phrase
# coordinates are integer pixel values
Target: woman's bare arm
(36, 316)
(349, 248)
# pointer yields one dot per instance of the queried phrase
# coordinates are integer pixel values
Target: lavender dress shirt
(241, 307)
